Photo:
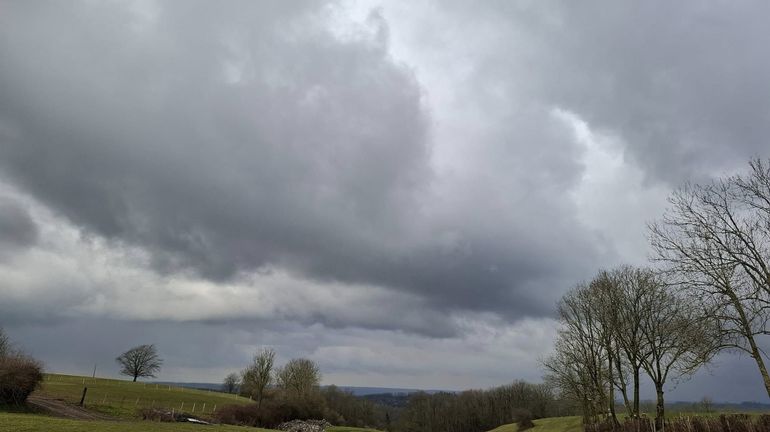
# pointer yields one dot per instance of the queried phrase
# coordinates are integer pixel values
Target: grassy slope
(10, 422)
(122, 398)
(552, 424)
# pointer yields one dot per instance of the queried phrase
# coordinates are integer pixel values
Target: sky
(399, 191)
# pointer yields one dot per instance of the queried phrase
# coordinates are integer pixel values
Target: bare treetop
(140, 361)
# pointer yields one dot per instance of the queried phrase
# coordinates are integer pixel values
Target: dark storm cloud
(224, 144)
(17, 229)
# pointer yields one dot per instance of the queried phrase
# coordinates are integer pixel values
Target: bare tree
(140, 361)
(259, 374)
(578, 366)
(299, 377)
(678, 336)
(715, 243)
(630, 285)
(231, 382)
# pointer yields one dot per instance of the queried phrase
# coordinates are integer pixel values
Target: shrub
(272, 412)
(19, 377)
(524, 419)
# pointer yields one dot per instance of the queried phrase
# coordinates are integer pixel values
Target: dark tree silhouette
(140, 361)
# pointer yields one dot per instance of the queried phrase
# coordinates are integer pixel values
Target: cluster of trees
(281, 393)
(709, 291)
(298, 379)
(293, 391)
(20, 374)
(477, 410)
(621, 324)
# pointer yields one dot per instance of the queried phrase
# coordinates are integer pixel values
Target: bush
(524, 419)
(19, 377)
(272, 412)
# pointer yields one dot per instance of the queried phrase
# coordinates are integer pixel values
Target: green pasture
(123, 398)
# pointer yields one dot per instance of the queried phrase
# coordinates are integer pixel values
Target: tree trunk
(612, 395)
(755, 353)
(760, 364)
(135, 378)
(636, 391)
(660, 409)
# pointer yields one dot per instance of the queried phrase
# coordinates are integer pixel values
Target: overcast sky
(397, 190)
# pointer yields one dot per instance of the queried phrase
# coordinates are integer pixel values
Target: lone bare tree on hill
(140, 361)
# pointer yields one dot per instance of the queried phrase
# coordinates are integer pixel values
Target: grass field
(11, 422)
(552, 424)
(123, 398)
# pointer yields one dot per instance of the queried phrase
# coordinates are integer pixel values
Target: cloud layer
(422, 180)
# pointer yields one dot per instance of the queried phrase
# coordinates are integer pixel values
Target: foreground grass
(552, 424)
(123, 398)
(14, 422)
(349, 429)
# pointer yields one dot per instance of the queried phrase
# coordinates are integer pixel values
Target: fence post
(83, 398)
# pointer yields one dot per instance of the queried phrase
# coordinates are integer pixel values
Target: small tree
(5, 344)
(140, 361)
(230, 383)
(299, 377)
(707, 404)
(259, 374)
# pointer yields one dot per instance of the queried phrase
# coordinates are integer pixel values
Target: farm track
(60, 408)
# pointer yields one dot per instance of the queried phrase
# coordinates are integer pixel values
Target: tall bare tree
(259, 374)
(715, 243)
(140, 361)
(630, 285)
(679, 338)
(579, 364)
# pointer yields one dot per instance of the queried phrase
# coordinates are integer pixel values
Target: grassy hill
(552, 424)
(122, 398)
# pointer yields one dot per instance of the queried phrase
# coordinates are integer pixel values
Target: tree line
(478, 410)
(707, 290)
(293, 392)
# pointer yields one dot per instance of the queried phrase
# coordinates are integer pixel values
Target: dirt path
(59, 408)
